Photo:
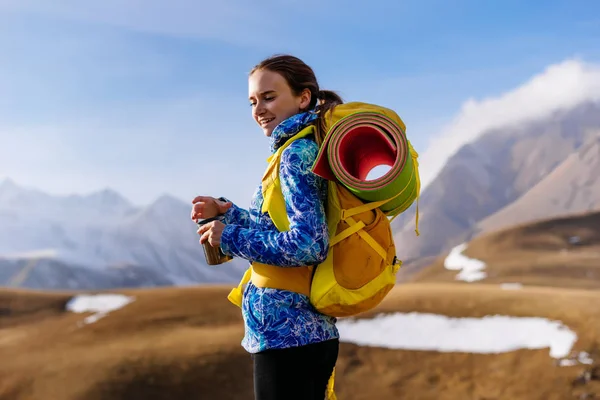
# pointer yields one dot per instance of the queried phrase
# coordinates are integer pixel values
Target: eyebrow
(265, 92)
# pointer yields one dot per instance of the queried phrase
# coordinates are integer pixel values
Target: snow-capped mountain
(103, 230)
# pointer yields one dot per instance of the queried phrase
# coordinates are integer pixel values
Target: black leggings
(297, 373)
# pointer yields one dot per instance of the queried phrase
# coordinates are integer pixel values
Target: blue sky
(150, 97)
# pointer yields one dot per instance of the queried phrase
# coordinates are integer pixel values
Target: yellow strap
(369, 206)
(418, 188)
(330, 392)
(369, 239)
(235, 296)
(396, 266)
(394, 217)
(353, 228)
(271, 185)
(351, 212)
(375, 204)
(402, 207)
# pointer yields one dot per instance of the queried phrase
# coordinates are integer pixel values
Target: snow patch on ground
(433, 332)
(471, 270)
(580, 358)
(100, 304)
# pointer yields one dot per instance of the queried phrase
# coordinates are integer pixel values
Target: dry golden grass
(169, 343)
(535, 254)
(523, 374)
(184, 343)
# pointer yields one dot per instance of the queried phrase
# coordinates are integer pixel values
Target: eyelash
(266, 99)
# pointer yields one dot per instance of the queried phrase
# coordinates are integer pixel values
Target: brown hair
(300, 76)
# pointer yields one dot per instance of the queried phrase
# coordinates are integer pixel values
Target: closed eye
(267, 96)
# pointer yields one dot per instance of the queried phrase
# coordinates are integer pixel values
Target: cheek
(270, 106)
(287, 109)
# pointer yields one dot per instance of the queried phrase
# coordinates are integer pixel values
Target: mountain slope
(104, 230)
(558, 252)
(490, 173)
(51, 274)
(572, 187)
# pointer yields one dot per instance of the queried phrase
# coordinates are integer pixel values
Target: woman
(294, 347)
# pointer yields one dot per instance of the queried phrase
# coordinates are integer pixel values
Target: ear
(305, 97)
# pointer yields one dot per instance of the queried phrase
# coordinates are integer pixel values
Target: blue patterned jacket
(273, 318)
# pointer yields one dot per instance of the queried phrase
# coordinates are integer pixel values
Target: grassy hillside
(562, 252)
(171, 343)
(185, 343)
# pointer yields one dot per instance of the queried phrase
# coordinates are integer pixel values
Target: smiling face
(273, 100)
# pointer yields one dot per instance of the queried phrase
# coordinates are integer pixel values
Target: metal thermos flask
(213, 255)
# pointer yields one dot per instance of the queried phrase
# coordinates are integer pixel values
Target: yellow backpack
(361, 265)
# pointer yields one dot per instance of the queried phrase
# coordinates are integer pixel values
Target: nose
(258, 109)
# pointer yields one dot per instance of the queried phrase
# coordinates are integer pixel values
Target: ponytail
(327, 99)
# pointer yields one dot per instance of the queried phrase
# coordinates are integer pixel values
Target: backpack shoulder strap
(273, 201)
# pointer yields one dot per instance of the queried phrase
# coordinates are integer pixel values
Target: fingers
(203, 199)
(208, 207)
(197, 210)
(205, 232)
(204, 228)
(211, 237)
(210, 233)
(205, 237)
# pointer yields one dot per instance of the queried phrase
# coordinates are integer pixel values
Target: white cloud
(561, 85)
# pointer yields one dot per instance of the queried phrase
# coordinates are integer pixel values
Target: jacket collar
(289, 127)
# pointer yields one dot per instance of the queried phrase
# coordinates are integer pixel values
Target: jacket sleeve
(236, 216)
(307, 240)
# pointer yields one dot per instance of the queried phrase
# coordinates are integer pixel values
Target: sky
(150, 98)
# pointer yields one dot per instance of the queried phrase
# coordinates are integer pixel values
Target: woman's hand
(211, 232)
(208, 207)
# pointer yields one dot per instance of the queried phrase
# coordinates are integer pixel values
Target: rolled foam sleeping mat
(356, 144)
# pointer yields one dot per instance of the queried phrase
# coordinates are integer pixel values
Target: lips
(266, 121)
